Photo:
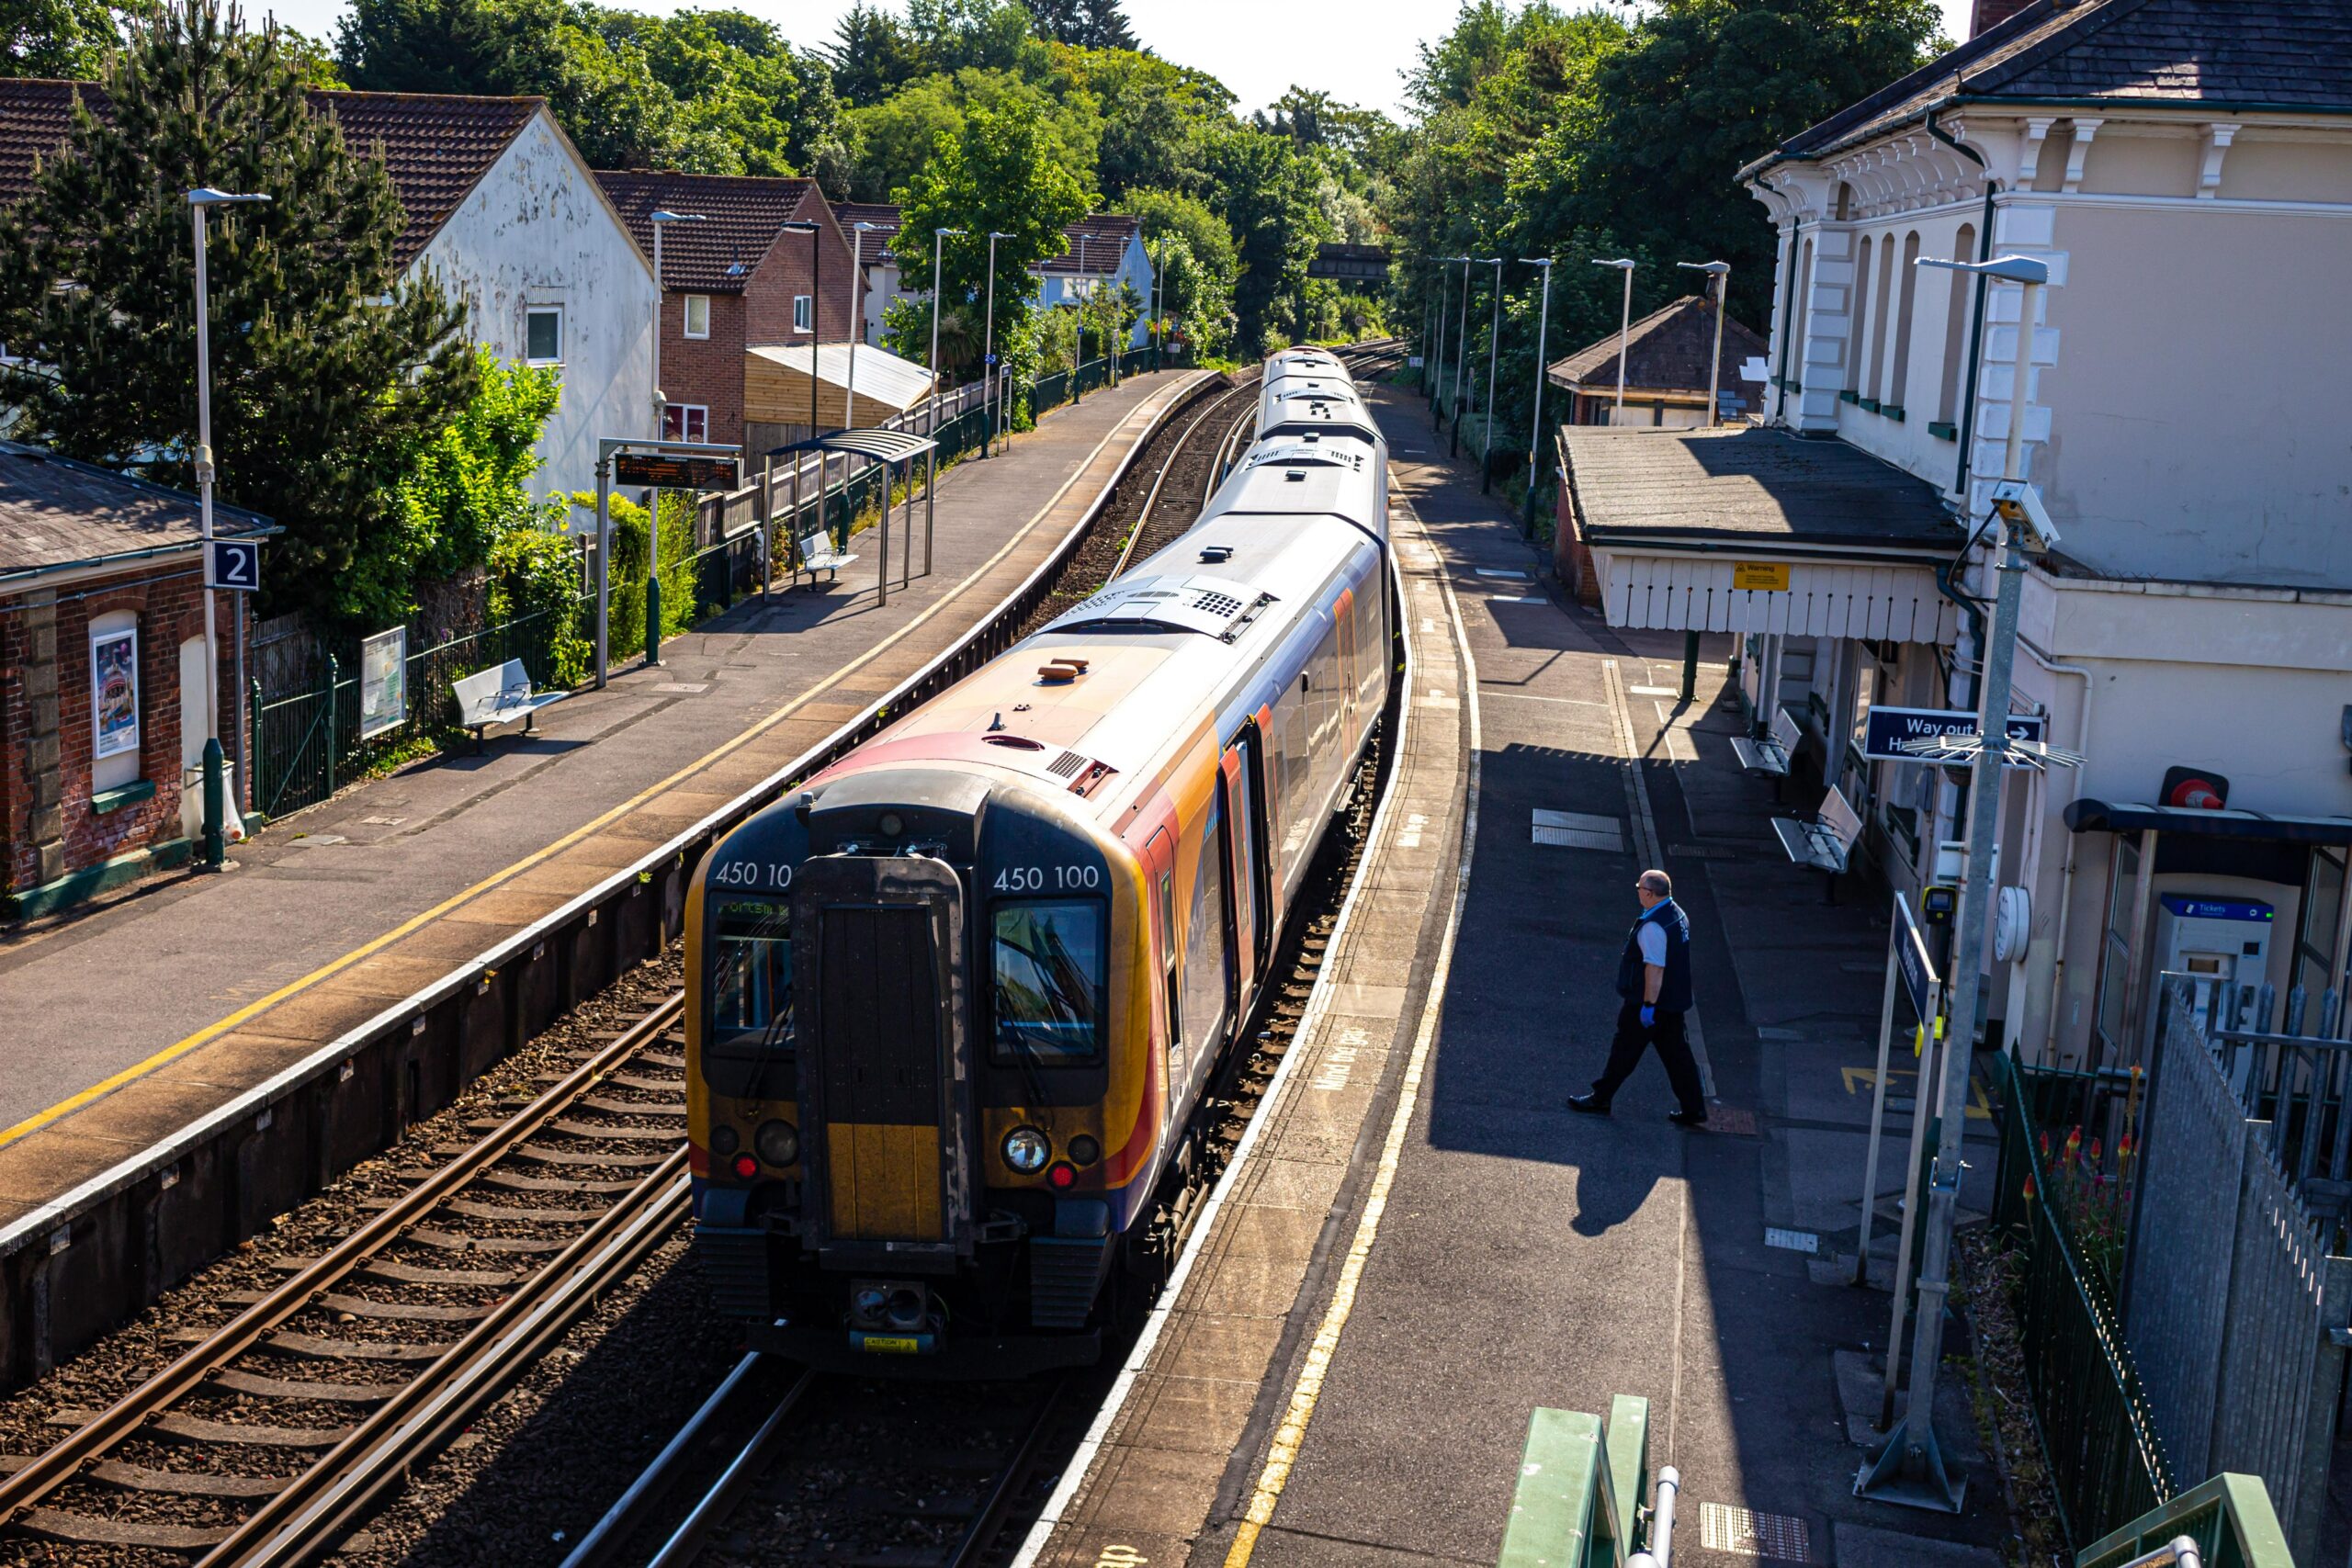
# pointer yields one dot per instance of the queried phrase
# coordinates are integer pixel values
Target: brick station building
(733, 280)
(102, 721)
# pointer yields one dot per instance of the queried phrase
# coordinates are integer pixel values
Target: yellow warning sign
(1760, 576)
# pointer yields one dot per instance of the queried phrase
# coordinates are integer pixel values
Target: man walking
(1654, 978)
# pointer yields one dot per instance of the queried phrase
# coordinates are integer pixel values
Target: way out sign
(1885, 729)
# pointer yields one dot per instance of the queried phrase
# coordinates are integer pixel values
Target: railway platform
(1421, 1245)
(150, 1040)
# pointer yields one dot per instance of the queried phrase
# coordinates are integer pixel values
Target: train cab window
(1048, 964)
(751, 978)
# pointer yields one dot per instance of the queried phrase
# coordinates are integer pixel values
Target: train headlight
(1085, 1149)
(725, 1140)
(778, 1142)
(1026, 1150)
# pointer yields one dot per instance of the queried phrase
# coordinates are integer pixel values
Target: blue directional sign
(234, 565)
(1911, 958)
(1885, 729)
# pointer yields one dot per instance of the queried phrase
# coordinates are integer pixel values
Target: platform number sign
(233, 565)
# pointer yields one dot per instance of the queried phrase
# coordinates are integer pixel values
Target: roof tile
(741, 216)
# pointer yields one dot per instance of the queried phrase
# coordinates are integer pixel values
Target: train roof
(1315, 475)
(1299, 403)
(1311, 361)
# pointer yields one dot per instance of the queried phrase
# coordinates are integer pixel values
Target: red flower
(2029, 1189)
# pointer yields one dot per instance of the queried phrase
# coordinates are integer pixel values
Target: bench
(1827, 841)
(813, 553)
(500, 695)
(1769, 756)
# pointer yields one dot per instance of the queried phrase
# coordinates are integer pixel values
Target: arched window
(1858, 328)
(1879, 317)
(1898, 379)
(1963, 248)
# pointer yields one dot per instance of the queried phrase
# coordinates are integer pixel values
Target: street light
(1624, 327)
(661, 220)
(216, 848)
(1719, 273)
(1543, 338)
(987, 348)
(1433, 376)
(931, 426)
(1911, 1469)
(1461, 338)
(1494, 344)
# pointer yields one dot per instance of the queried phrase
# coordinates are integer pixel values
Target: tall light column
(1494, 347)
(215, 847)
(1625, 327)
(661, 220)
(857, 318)
(1542, 341)
(1719, 276)
(1911, 1469)
(987, 348)
(1461, 342)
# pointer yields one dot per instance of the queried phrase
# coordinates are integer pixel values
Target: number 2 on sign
(1043, 878)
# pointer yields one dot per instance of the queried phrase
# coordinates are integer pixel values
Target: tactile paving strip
(1781, 1537)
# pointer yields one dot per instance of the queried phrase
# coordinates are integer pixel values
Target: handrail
(2228, 1520)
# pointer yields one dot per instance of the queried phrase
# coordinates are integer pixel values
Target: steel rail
(309, 1517)
(122, 1420)
(686, 1543)
(631, 1509)
(1142, 518)
(982, 1533)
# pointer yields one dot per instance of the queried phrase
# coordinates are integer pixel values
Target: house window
(804, 312)
(543, 334)
(697, 315)
(685, 422)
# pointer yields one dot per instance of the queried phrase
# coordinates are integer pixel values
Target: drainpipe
(1976, 338)
(2067, 880)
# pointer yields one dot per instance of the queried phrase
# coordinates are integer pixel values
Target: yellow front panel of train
(884, 1182)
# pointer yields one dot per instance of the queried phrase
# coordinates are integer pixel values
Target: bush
(535, 579)
(626, 607)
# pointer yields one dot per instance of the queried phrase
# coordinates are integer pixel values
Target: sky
(1356, 52)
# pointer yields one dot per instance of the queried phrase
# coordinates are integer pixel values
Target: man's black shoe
(1687, 1118)
(1590, 1104)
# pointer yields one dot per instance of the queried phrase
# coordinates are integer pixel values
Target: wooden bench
(1826, 843)
(500, 695)
(813, 553)
(1769, 756)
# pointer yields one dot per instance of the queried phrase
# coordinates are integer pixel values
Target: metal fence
(2232, 1300)
(2107, 1465)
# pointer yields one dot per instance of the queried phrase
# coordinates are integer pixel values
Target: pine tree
(328, 371)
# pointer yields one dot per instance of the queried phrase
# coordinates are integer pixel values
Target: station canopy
(883, 446)
(777, 391)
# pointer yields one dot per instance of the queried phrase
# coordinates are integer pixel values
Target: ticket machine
(2221, 943)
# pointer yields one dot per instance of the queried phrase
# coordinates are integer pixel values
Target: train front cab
(895, 1165)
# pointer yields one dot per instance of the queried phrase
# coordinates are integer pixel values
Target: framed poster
(383, 682)
(114, 691)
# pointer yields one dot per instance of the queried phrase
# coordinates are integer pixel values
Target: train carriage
(952, 1007)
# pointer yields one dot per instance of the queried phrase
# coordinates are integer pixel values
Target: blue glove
(1649, 1015)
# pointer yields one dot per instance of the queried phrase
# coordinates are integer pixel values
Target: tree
(872, 56)
(57, 38)
(993, 35)
(1265, 193)
(468, 485)
(1002, 172)
(321, 391)
(1192, 253)
(1086, 24)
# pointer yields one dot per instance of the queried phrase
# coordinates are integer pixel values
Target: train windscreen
(751, 981)
(1049, 982)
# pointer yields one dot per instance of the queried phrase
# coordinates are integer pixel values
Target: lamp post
(1624, 327)
(1433, 377)
(931, 426)
(1494, 345)
(1911, 1468)
(1719, 276)
(215, 847)
(859, 231)
(987, 348)
(1461, 338)
(661, 220)
(1542, 340)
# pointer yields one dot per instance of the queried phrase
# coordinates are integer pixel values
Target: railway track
(274, 1432)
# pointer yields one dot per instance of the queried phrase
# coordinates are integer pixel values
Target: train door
(1208, 982)
(1159, 867)
(1253, 894)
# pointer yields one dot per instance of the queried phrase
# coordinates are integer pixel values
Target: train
(952, 1006)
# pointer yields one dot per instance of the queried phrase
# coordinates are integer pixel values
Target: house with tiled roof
(2184, 169)
(500, 206)
(1665, 369)
(735, 278)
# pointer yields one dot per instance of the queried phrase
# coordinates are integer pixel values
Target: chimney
(1991, 13)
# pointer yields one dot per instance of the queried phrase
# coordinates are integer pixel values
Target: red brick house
(102, 676)
(732, 280)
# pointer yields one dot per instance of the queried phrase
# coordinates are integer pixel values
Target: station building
(2186, 169)
(102, 711)
(1665, 357)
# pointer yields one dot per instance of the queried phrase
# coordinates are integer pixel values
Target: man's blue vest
(1673, 988)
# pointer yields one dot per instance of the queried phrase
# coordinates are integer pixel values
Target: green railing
(2106, 1465)
(1581, 1482)
(2229, 1518)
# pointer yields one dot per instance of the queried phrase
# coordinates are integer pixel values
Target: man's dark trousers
(1673, 1049)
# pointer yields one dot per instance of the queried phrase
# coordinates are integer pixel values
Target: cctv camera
(2019, 505)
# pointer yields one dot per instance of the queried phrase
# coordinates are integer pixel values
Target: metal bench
(1826, 843)
(1769, 756)
(500, 695)
(813, 553)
